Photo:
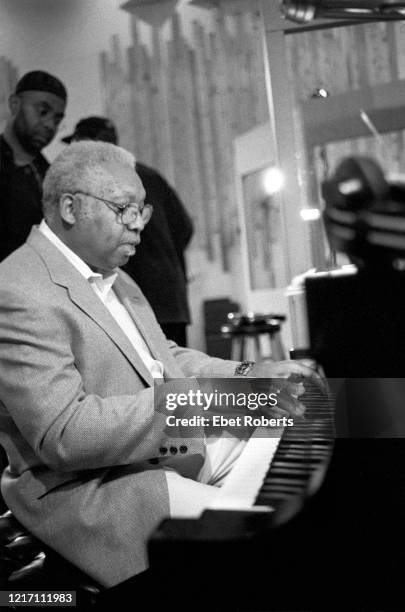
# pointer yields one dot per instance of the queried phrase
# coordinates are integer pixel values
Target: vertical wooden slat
(163, 158)
(219, 139)
(349, 44)
(230, 222)
(262, 109)
(334, 69)
(133, 99)
(183, 129)
(234, 84)
(105, 81)
(377, 54)
(245, 94)
(391, 31)
(360, 60)
(138, 117)
(150, 88)
(103, 62)
(120, 102)
(133, 24)
(255, 67)
(204, 139)
(400, 48)
(193, 134)
(117, 52)
(306, 80)
(176, 113)
(223, 150)
(251, 119)
(144, 105)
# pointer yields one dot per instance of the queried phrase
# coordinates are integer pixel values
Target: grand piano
(315, 520)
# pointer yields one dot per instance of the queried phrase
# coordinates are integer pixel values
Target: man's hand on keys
(286, 382)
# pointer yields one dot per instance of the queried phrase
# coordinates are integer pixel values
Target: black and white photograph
(202, 298)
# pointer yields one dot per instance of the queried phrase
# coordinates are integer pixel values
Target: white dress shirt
(103, 288)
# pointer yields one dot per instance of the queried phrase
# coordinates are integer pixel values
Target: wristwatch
(244, 368)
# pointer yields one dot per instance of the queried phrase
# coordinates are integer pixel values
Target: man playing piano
(92, 467)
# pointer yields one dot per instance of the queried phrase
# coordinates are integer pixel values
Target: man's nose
(136, 224)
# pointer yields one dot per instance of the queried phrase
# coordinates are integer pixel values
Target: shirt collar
(104, 284)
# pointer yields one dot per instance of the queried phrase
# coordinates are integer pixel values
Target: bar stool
(248, 332)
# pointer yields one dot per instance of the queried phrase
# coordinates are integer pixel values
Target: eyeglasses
(126, 213)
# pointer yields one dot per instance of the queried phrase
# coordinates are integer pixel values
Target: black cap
(38, 80)
(94, 128)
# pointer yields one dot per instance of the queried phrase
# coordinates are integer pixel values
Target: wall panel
(180, 102)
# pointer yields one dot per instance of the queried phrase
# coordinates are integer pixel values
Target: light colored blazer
(77, 416)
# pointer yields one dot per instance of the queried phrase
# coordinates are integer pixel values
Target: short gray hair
(71, 170)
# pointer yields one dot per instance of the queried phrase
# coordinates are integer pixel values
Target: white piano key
(247, 476)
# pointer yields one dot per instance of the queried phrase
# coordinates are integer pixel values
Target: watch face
(243, 368)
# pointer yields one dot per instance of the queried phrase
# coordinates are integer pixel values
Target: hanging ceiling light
(303, 11)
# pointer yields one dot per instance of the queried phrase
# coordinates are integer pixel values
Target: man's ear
(67, 208)
(14, 104)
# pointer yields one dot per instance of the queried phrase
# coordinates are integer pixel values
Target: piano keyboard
(241, 486)
(290, 465)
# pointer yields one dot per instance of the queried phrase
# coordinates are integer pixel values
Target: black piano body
(343, 549)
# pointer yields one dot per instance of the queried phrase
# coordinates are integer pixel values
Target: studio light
(310, 214)
(273, 180)
(304, 11)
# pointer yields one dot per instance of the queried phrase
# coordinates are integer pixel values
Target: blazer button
(183, 449)
(154, 461)
(163, 450)
(173, 450)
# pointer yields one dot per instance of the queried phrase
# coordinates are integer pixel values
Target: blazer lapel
(95, 309)
(63, 273)
(136, 305)
(139, 310)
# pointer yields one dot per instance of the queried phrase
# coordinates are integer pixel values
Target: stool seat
(241, 327)
(251, 328)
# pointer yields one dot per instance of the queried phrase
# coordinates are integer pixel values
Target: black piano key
(303, 451)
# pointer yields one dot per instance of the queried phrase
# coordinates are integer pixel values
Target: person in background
(159, 267)
(37, 107)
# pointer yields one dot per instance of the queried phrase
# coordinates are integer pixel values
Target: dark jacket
(159, 265)
(20, 198)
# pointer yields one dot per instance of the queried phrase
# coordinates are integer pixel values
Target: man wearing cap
(37, 107)
(159, 267)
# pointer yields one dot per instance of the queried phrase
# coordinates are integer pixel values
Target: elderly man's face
(103, 241)
(37, 115)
